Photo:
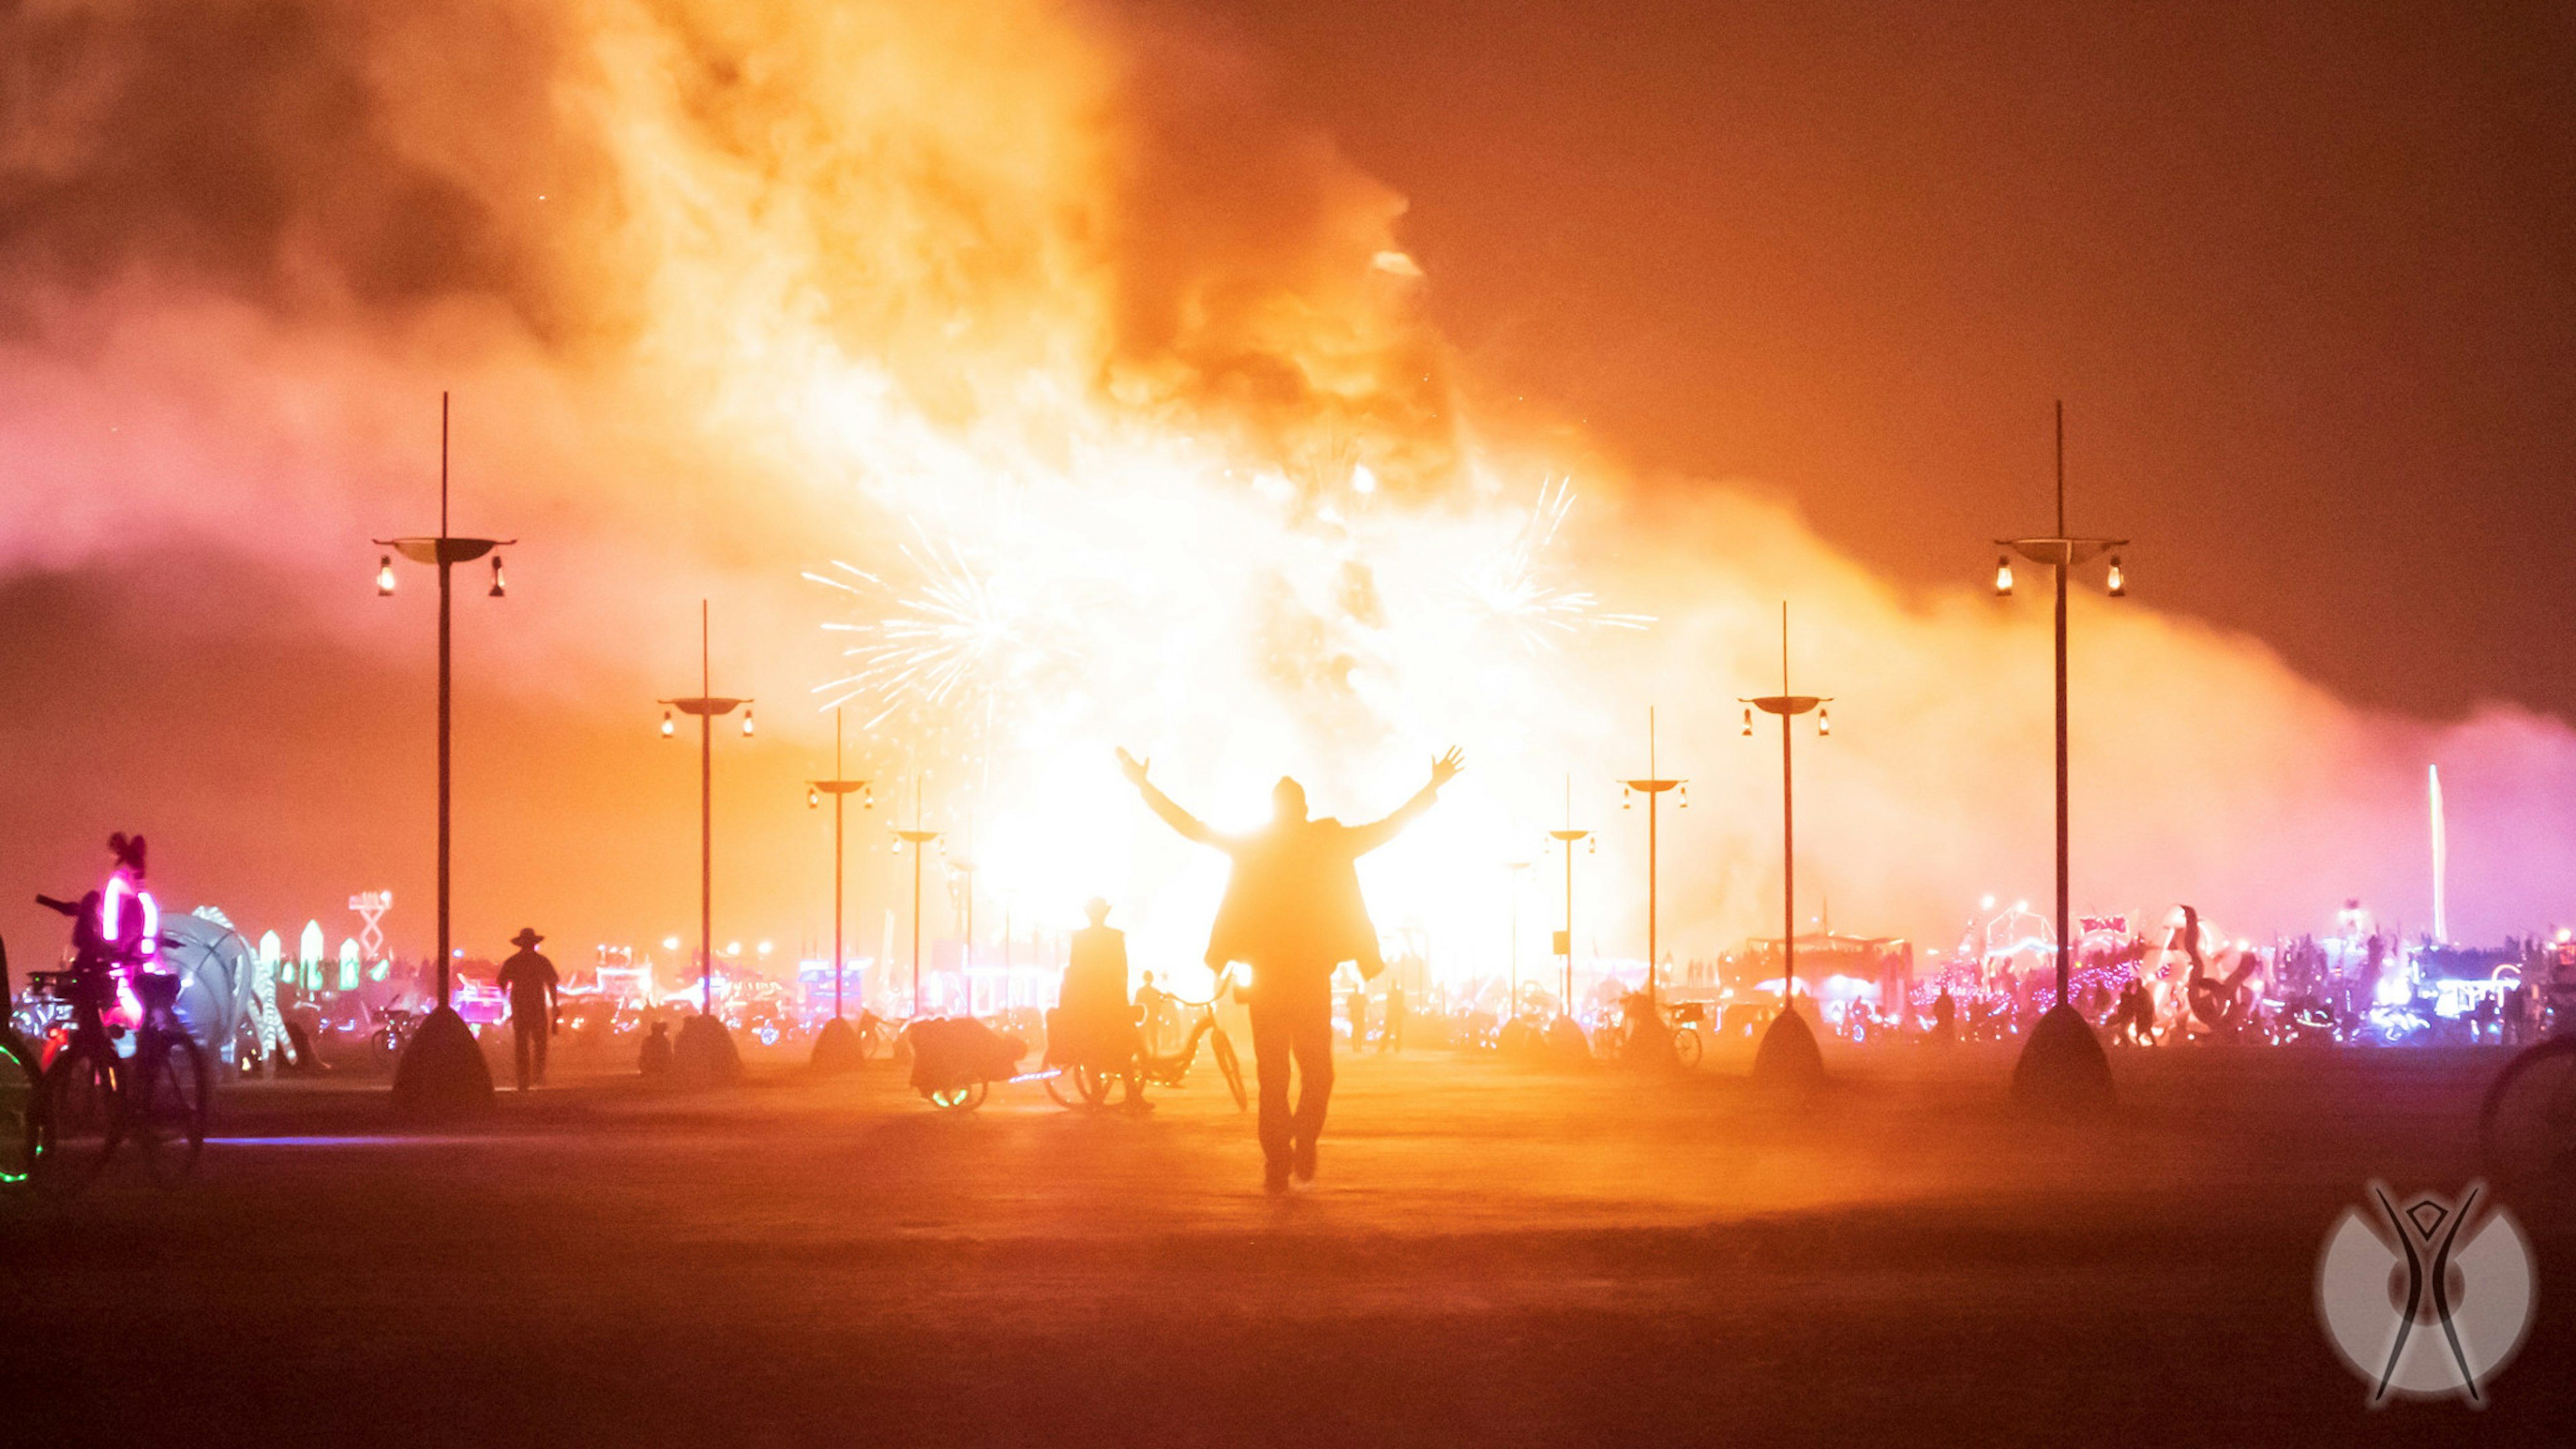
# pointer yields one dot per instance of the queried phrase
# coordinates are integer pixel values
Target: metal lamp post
(1512, 1002)
(919, 839)
(961, 885)
(836, 1048)
(713, 1055)
(1654, 789)
(2064, 1061)
(1566, 838)
(1788, 1054)
(442, 1069)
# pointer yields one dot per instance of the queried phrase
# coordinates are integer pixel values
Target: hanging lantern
(2003, 577)
(668, 728)
(746, 721)
(499, 590)
(1824, 720)
(2119, 582)
(385, 577)
(1748, 721)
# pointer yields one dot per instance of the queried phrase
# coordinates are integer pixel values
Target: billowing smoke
(1101, 402)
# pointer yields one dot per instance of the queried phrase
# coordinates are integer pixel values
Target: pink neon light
(117, 889)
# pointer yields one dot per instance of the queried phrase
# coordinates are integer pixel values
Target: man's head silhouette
(1287, 800)
(1097, 909)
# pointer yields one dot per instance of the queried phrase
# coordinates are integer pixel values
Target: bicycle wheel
(1686, 1046)
(82, 1119)
(166, 1110)
(2527, 1126)
(19, 1095)
(1227, 1063)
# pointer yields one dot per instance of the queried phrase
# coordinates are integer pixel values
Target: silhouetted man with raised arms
(1293, 913)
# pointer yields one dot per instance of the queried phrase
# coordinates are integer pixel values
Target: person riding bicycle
(116, 929)
(1094, 1024)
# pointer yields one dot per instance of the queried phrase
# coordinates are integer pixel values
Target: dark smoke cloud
(253, 147)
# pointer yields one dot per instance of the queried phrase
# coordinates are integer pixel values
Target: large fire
(1084, 404)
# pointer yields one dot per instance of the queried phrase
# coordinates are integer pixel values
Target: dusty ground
(1495, 1256)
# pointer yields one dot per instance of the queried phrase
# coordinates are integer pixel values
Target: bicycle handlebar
(1221, 978)
(68, 908)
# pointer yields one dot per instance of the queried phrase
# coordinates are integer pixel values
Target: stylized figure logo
(2425, 1299)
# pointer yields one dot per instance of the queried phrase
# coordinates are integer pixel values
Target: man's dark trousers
(1292, 1024)
(531, 1046)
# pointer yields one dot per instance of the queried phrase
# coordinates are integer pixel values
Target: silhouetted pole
(1654, 788)
(442, 1069)
(2072, 1059)
(2061, 553)
(445, 551)
(917, 838)
(965, 868)
(1566, 838)
(1786, 705)
(1788, 1056)
(839, 787)
(707, 706)
(1513, 1010)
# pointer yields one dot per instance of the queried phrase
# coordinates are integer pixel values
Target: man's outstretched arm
(1365, 838)
(1190, 826)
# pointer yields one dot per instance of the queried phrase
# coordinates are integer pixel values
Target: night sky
(2305, 277)
(2302, 277)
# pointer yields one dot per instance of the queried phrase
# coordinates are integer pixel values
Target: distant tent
(351, 964)
(308, 957)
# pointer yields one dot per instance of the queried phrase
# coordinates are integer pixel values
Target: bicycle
(2527, 1124)
(1087, 1084)
(92, 1100)
(1687, 1016)
(1621, 1040)
(393, 1032)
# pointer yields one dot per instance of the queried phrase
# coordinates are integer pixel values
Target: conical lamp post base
(704, 1054)
(2064, 1068)
(1789, 1058)
(442, 1072)
(836, 1048)
(1566, 1045)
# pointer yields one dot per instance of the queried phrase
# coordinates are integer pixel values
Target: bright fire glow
(1117, 400)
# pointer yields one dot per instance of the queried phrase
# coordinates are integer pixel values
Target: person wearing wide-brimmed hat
(535, 1001)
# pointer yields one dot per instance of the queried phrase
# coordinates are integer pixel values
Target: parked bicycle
(1617, 1040)
(393, 1031)
(1087, 1084)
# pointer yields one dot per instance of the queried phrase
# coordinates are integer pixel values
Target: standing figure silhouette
(1293, 913)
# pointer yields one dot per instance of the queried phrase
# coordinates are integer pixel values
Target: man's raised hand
(1446, 768)
(1131, 767)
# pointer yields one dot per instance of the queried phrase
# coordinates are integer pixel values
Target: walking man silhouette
(1293, 913)
(535, 1001)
